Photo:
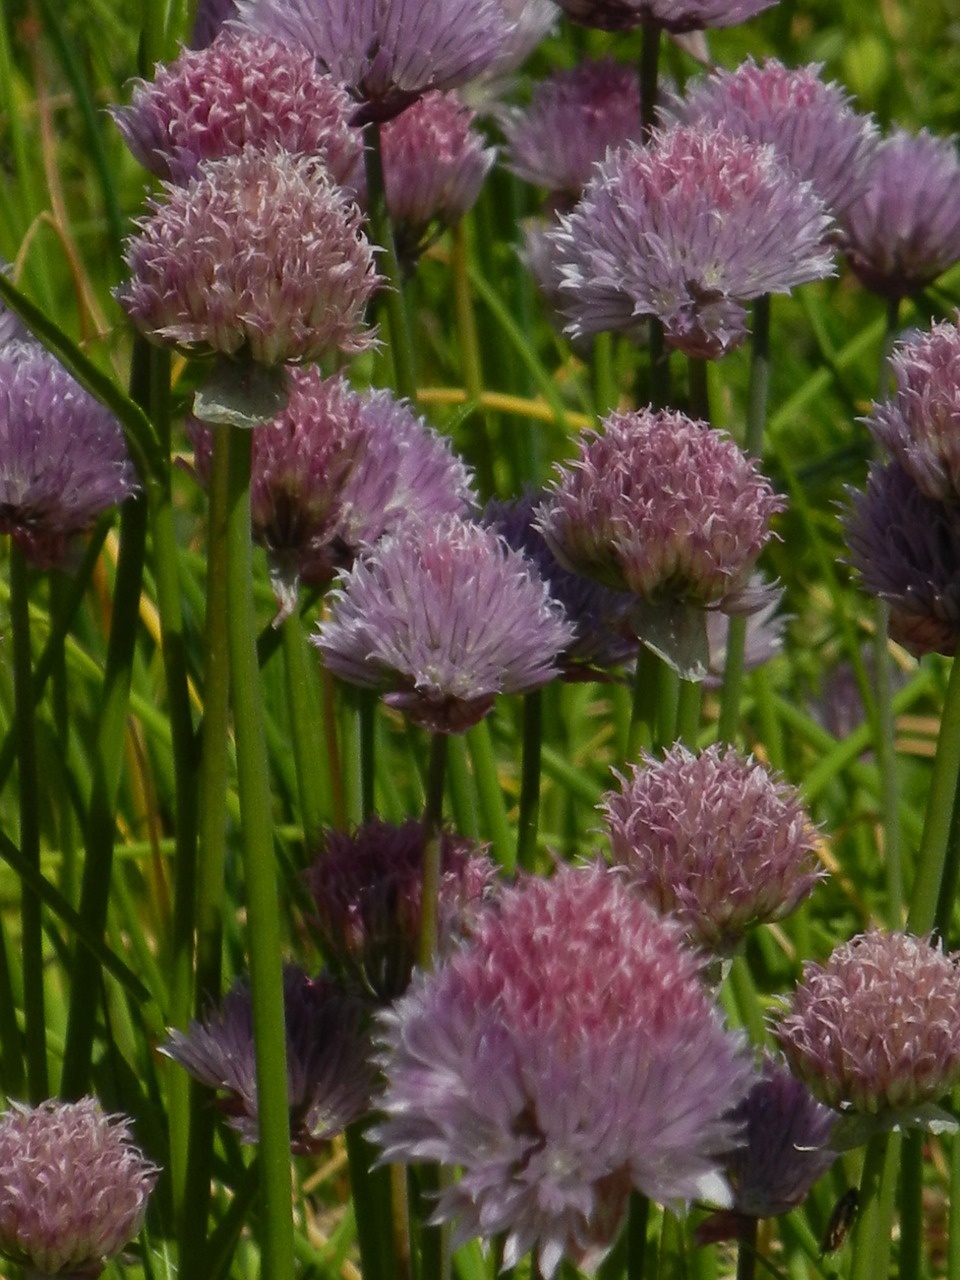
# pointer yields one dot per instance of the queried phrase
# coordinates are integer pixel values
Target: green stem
(31, 940)
(699, 388)
(638, 1215)
(493, 811)
(931, 858)
(953, 1212)
(688, 712)
(874, 1225)
(306, 726)
(390, 298)
(370, 1191)
(263, 919)
(643, 714)
(747, 1249)
(529, 812)
(649, 75)
(432, 827)
(911, 1207)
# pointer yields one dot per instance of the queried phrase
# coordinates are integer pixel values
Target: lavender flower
(336, 471)
(904, 230)
(63, 458)
(574, 117)
(242, 91)
(261, 256)
(328, 1076)
(444, 618)
(671, 15)
(906, 548)
(604, 635)
(876, 1029)
(662, 506)
(565, 1055)
(920, 423)
(366, 890)
(388, 52)
(714, 839)
(812, 125)
(687, 229)
(73, 1187)
(530, 21)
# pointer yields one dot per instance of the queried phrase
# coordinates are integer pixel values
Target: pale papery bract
(876, 1028)
(564, 1056)
(687, 229)
(243, 90)
(442, 619)
(260, 257)
(714, 839)
(676, 16)
(73, 1187)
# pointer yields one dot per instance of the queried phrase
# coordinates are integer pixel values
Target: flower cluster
(565, 1055)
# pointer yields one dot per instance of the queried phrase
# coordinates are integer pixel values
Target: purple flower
(567, 1054)
(604, 635)
(388, 52)
(73, 1187)
(920, 423)
(812, 125)
(335, 471)
(687, 229)
(530, 21)
(366, 891)
(63, 458)
(261, 256)
(211, 16)
(328, 1074)
(434, 165)
(242, 91)
(904, 230)
(444, 618)
(714, 839)
(574, 117)
(906, 548)
(876, 1028)
(664, 507)
(671, 15)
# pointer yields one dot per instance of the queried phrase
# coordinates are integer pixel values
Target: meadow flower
(906, 549)
(904, 230)
(660, 505)
(328, 1076)
(565, 1055)
(387, 52)
(602, 619)
(73, 1187)
(243, 90)
(574, 117)
(671, 15)
(259, 257)
(714, 839)
(876, 1029)
(919, 424)
(687, 229)
(335, 471)
(443, 618)
(366, 887)
(434, 165)
(63, 458)
(812, 125)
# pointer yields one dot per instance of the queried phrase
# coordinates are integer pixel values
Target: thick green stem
(638, 1215)
(31, 937)
(699, 389)
(306, 725)
(432, 827)
(874, 1225)
(747, 1250)
(390, 299)
(529, 814)
(643, 714)
(688, 712)
(910, 1257)
(263, 917)
(932, 856)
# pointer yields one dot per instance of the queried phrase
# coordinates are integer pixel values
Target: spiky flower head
(676, 16)
(574, 117)
(261, 256)
(444, 618)
(335, 471)
(812, 124)
(366, 887)
(63, 458)
(567, 1054)
(906, 549)
(387, 52)
(876, 1028)
(919, 424)
(329, 1078)
(434, 165)
(604, 635)
(687, 229)
(73, 1187)
(661, 505)
(243, 90)
(715, 839)
(904, 230)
